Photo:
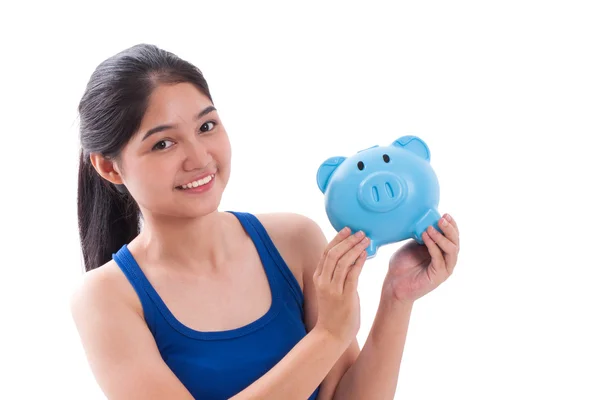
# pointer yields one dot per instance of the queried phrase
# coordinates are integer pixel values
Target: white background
(505, 93)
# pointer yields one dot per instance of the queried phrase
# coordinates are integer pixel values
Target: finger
(341, 235)
(346, 261)
(450, 249)
(437, 258)
(336, 252)
(440, 238)
(452, 222)
(351, 283)
(449, 231)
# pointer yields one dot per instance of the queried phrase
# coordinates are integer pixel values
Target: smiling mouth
(198, 183)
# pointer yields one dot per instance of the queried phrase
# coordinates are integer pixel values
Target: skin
(193, 254)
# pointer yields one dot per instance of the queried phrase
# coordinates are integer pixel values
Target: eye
(386, 158)
(202, 128)
(160, 145)
(361, 165)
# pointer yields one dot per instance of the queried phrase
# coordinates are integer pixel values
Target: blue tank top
(218, 365)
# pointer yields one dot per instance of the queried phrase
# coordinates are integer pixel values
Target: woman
(182, 301)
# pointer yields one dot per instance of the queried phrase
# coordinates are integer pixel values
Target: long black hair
(110, 112)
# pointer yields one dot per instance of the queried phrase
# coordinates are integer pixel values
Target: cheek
(225, 149)
(154, 180)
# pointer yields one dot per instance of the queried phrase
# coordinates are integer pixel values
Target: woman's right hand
(336, 283)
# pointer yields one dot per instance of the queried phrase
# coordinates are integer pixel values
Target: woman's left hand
(416, 270)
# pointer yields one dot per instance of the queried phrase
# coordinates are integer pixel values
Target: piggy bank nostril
(375, 194)
(389, 190)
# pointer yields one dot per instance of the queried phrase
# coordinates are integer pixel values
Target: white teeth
(197, 183)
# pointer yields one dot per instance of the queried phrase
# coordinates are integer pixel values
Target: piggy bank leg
(431, 217)
(371, 250)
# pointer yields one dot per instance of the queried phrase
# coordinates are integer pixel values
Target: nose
(382, 191)
(196, 156)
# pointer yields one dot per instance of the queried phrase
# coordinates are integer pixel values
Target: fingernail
(448, 217)
(345, 230)
(360, 234)
(444, 222)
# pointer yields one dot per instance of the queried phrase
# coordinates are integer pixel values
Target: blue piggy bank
(390, 192)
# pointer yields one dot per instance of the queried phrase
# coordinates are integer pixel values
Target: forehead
(174, 103)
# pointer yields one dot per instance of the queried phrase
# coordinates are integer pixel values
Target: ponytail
(108, 217)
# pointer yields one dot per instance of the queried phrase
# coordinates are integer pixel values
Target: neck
(187, 244)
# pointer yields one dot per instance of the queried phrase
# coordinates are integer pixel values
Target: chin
(201, 207)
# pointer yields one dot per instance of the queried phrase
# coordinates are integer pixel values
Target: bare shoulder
(299, 240)
(100, 287)
(119, 347)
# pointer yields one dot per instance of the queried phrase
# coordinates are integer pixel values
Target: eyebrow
(162, 128)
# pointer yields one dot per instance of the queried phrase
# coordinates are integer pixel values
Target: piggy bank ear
(326, 169)
(415, 145)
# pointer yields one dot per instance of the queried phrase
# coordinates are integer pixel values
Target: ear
(326, 169)
(415, 145)
(107, 169)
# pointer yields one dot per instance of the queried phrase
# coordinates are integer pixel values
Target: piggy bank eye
(361, 165)
(386, 158)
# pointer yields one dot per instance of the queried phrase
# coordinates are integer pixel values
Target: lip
(197, 178)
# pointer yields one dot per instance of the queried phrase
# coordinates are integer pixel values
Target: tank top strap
(138, 280)
(264, 244)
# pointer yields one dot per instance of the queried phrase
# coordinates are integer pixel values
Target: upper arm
(314, 244)
(119, 347)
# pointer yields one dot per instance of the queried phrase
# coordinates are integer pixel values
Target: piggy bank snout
(382, 191)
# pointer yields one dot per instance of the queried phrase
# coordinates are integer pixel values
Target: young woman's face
(180, 140)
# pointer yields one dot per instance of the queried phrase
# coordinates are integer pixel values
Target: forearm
(374, 375)
(300, 372)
